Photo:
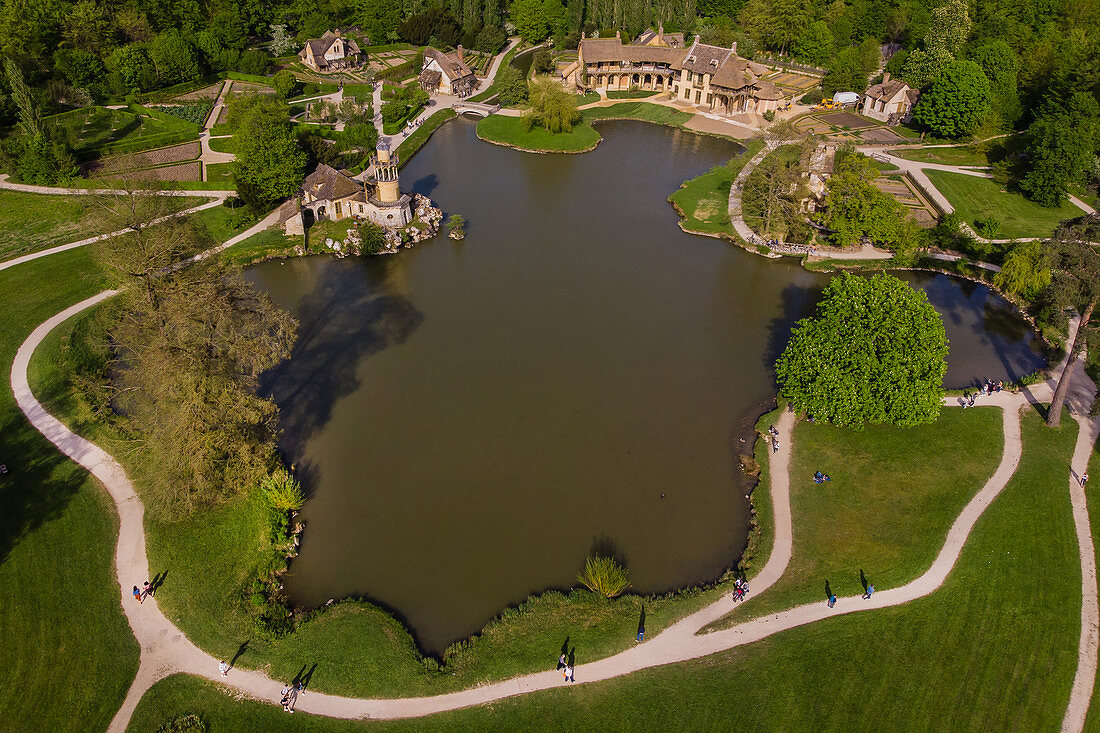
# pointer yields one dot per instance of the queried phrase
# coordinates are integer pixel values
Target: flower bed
(146, 159)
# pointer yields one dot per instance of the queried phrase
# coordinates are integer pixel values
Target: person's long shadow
(240, 650)
(641, 622)
(863, 580)
(828, 590)
(564, 652)
(157, 582)
(573, 657)
(347, 316)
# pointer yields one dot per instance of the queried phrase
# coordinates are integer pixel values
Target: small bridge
(475, 108)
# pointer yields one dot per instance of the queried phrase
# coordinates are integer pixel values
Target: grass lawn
(886, 511)
(978, 198)
(407, 149)
(993, 649)
(67, 646)
(640, 111)
(587, 98)
(222, 223)
(220, 173)
(222, 145)
(1092, 494)
(965, 155)
(34, 221)
(703, 202)
(261, 246)
(96, 131)
(509, 131)
(635, 94)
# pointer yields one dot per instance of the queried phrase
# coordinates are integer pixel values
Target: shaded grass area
(222, 174)
(67, 649)
(34, 221)
(410, 145)
(263, 245)
(223, 145)
(510, 131)
(894, 494)
(703, 202)
(95, 131)
(631, 94)
(993, 649)
(979, 198)
(965, 155)
(640, 111)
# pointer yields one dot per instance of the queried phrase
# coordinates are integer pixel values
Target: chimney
(886, 77)
(617, 35)
(660, 31)
(459, 52)
(336, 33)
(698, 38)
(582, 35)
(733, 48)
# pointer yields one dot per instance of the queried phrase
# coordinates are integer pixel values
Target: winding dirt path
(166, 650)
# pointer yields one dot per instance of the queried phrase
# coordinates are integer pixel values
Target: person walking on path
(832, 600)
(137, 595)
(1084, 479)
(285, 699)
(223, 668)
(870, 590)
(146, 590)
(561, 661)
(568, 673)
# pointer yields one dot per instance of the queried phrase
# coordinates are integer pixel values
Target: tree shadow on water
(797, 302)
(346, 317)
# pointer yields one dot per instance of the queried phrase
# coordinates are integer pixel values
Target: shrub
(769, 115)
(605, 576)
(184, 724)
(282, 491)
(988, 226)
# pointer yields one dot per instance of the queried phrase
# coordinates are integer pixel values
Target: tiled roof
(455, 67)
(597, 50)
(888, 90)
(703, 59)
(327, 183)
(320, 46)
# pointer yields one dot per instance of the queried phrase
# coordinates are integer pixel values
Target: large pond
(472, 419)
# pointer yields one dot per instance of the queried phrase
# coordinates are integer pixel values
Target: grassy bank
(981, 198)
(34, 221)
(894, 494)
(703, 202)
(410, 145)
(645, 111)
(509, 131)
(67, 647)
(997, 629)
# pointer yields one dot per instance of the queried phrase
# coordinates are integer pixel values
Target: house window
(698, 96)
(337, 209)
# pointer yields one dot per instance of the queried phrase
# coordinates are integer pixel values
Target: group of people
(990, 387)
(140, 594)
(290, 695)
(820, 478)
(774, 433)
(565, 667)
(740, 588)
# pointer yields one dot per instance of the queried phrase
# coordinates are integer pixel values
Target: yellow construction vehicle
(826, 104)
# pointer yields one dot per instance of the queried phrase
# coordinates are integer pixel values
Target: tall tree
(1074, 260)
(950, 27)
(957, 101)
(875, 352)
(1061, 147)
(269, 163)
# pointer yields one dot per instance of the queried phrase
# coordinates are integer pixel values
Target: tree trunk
(1054, 416)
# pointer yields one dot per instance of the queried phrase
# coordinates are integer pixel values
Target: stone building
(329, 194)
(330, 52)
(711, 77)
(658, 37)
(891, 101)
(447, 73)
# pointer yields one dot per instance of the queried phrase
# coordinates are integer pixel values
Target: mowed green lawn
(67, 651)
(703, 202)
(978, 198)
(509, 131)
(34, 221)
(995, 648)
(894, 494)
(640, 111)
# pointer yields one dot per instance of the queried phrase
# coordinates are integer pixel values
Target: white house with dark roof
(447, 73)
(330, 52)
(890, 101)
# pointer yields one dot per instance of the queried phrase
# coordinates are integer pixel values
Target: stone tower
(385, 173)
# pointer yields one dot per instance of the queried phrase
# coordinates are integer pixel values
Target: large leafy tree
(269, 163)
(957, 101)
(552, 108)
(856, 208)
(1073, 258)
(875, 352)
(1061, 147)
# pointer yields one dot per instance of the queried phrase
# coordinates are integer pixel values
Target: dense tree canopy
(552, 108)
(956, 103)
(875, 352)
(856, 208)
(269, 163)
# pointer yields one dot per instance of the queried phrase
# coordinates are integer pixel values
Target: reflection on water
(474, 418)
